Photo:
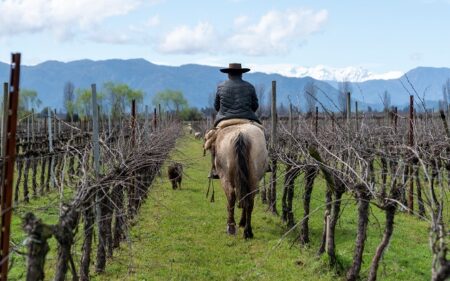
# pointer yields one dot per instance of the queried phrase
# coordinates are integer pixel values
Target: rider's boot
(213, 173)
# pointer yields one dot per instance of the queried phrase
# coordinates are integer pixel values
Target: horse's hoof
(248, 234)
(231, 229)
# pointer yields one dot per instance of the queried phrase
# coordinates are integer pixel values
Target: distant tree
(28, 99)
(446, 95)
(386, 101)
(191, 114)
(120, 98)
(443, 105)
(260, 90)
(310, 94)
(282, 110)
(84, 102)
(69, 100)
(171, 100)
(44, 111)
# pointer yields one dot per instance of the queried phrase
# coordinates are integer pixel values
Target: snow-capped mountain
(326, 73)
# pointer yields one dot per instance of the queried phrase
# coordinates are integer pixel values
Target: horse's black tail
(241, 177)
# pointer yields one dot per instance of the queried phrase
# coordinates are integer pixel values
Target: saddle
(211, 135)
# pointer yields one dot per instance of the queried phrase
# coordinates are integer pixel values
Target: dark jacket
(236, 98)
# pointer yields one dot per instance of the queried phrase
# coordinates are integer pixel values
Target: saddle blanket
(211, 135)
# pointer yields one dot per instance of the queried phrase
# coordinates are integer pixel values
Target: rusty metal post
(333, 125)
(356, 117)
(155, 119)
(273, 180)
(8, 167)
(411, 144)
(4, 117)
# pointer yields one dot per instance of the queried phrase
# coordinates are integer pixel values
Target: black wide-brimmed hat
(234, 68)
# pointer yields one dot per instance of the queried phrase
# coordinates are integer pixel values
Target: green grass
(180, 235)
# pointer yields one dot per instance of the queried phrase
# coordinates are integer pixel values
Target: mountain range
(198, 82)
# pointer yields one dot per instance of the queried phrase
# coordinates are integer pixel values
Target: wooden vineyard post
(395, 119)
(159, 114)
(349, 112)
(50, 147)
(273, 180)
(32, 124)
(28, 128)
(133, 122)
(133, 190)
(95, 131)
(99, 193)
(291, 122)
(146, 121)
(349, 126)
(411, 144)
(55, 127)
(356, 117)
(316, 125)
(8, 168)
(109, 125)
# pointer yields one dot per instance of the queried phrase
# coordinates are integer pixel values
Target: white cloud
(153, 21)
(114, 37)
(59, 16)
(277, 31)
(417, 57)
(135, 34)
(240, 21)
(189, 40)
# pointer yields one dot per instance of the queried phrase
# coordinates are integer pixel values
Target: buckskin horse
(241, 161)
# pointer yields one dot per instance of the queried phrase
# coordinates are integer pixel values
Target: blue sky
(268, 35)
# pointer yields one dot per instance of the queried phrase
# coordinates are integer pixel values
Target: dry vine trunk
(26, 195)
(64, 234)
(19, 177)
(119, 221)
(42, 178)
(34, 174)
(363, 197)
(104, 215)
(287, 215)
(89, 220)
(310, 175)
(37, 246)
(390, 207)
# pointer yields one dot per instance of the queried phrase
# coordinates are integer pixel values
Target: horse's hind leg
(248, 233)
(231, 224)
(243, 220)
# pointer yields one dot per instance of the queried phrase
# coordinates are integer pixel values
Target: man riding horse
(238, 146)
(235, 99)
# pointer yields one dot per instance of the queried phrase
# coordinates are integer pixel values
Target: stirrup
(213, 175)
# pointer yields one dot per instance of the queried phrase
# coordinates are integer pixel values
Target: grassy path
(180, 235)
